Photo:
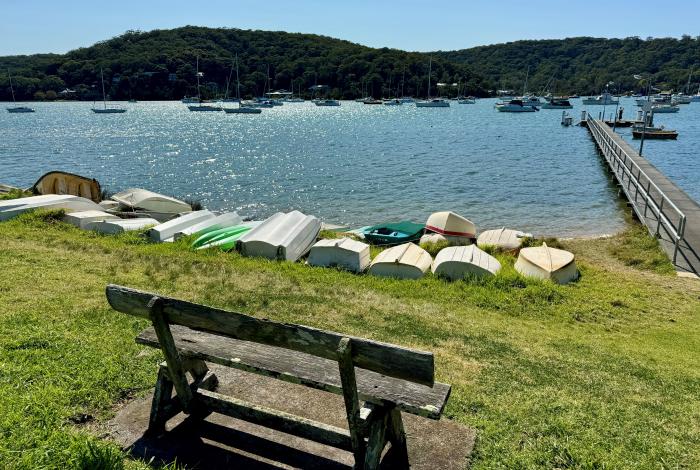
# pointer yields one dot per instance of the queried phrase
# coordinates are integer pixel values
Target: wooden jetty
(665, 209)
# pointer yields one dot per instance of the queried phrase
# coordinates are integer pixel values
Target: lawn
(602, 373)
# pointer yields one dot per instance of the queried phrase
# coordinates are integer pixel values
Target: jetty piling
(666, 210)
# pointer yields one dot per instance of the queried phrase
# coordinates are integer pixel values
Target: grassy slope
(603, 373)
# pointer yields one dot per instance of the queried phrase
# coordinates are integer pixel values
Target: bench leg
(162, 397)
(397, 437)
(377, 439)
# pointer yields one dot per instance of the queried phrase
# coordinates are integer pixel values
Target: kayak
(225, 239)
(393, 233)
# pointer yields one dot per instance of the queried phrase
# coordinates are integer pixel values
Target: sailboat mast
(12, 90)
(104, 96)
(403, 79)
(430, 71)
(238, 81)
(527, 74)
(199, 98)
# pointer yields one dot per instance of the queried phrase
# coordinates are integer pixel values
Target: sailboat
(200, 106)
(106, 110)
(435, 102)
(241, 109)
(15, 108)
(684, 98)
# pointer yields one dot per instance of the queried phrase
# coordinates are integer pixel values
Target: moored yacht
(326, 102)
(604, 99)
(15, 108)
(557, 103)
(515, 106)
(106, 110)
(432, 102)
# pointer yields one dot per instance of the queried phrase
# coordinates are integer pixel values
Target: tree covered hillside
(161, 64)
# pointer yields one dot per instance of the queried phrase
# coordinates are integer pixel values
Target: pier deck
(665, 209)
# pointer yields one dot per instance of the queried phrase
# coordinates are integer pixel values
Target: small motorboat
(393, 233)
(166, 231)
(407, 261)
(456, 229)
(344, 253)
(85, 220)
(327, 102)
(433, 103)
(543, 262)
(654, 133)
(60, 182)
(466, 100)
(515, 106)
(557, 103)
(283, 237)
(665, 108)
(227, 219)
(502, 239)
(602, 100)
(372, 101)
(458, 262)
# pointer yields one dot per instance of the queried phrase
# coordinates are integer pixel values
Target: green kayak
(223, 239)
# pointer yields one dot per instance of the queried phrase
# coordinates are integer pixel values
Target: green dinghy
(224, 238)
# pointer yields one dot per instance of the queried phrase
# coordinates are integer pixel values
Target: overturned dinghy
(543, 262)
(458, 262)
(60, 182)
(123, 225)
(456, 229)
(393, 233)
(503, 239)
(67, 202)
(407, 261)
(228, 219)
(343, 253)
(157, 206)
(86, 220)
(167, 230)
(225, 238)
(282, 236)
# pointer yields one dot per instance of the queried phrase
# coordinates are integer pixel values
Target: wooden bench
(387, 379)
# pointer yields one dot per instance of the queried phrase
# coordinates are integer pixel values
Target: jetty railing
(639, 188)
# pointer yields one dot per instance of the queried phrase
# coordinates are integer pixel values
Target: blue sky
(32, 26)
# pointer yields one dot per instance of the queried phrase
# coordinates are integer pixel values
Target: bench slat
(387, 359)
(305, 369)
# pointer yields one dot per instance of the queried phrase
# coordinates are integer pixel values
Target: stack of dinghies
(543, 262)
(283, 236)
(407, 261)
(227, 219)
(166, 231)
(344, 253)
(225, 238)
(459, 262)
(144, 203)
(502, 239)
(67, 202)
(448, 227)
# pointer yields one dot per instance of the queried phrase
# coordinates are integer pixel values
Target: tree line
(161, 65)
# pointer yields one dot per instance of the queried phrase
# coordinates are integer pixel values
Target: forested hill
(161, 64)
(584, 65)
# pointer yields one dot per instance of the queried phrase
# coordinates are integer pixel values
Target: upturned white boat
(283, 236)
(228, 219)
(147, 202)
(503, 239)
(167, 230)
(515, 106)
(456, 229)
(543, 262)
(67, 202)
(407, 261)
(458, 262)
(85, 220)
(123, 225)
(604, 99)
(344, 253)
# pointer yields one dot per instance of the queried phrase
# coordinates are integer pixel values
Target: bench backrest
(387, 359)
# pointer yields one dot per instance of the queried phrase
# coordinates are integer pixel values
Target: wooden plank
(301, 368)
(376, 441)
(387, 359)
(278, 420)
(346, 369)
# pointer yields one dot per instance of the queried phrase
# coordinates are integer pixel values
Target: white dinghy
(151, 204)
(407, 261)
(123, 225)
(543, 262)
(456, 229)
(228, 219)
(458, 262)
(283, 236)
(167, 230)
(67, 202)
(85, 220)
(503, 239)
(343, 253)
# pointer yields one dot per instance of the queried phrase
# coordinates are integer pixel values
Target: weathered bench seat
(306, 369)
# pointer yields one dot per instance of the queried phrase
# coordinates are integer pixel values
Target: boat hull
(108, 111)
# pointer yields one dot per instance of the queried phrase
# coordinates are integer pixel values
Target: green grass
(601, 373)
